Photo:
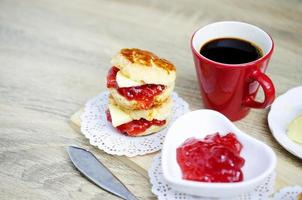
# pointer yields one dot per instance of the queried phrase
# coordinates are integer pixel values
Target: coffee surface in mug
(231, 51)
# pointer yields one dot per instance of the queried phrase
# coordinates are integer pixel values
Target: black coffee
(231, 51)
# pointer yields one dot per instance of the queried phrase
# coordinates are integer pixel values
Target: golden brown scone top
(146, 58)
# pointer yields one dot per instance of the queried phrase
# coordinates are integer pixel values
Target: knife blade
(98, 173)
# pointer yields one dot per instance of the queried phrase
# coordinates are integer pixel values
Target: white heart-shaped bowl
(283, 111)
(260, 159)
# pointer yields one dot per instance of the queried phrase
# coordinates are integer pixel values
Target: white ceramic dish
(260, 158)
(283, 111)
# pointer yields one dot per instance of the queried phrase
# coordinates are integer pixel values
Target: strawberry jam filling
(214, 159)
(144, 94)
(136, 127)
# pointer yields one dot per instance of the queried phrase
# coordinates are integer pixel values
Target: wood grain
(54, 56)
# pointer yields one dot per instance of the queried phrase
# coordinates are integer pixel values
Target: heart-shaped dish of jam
(256, 159)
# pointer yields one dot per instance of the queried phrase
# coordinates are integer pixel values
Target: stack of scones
(140, 86)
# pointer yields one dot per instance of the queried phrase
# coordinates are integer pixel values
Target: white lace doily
(164, 192)
(100, 133)
(288, 193)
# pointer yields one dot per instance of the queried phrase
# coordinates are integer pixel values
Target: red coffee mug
(231, 88)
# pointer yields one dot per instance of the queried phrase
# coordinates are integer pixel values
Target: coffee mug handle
(268, 89)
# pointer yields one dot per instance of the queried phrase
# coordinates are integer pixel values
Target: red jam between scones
(136, 127)
(143, 94)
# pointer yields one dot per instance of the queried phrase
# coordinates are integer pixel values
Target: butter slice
(294, 130)
(118, 116)
(124, 81)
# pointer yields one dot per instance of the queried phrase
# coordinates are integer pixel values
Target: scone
(145, 102)
(140, 79)
(139, 122)
(160, 112)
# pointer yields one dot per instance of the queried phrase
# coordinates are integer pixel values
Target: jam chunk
(144, 94)
(136, 127)
(111, 77)
(214, 159)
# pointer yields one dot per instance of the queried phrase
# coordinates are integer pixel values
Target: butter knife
(96, 172)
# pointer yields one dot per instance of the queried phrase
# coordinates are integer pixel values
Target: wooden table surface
(54, 56)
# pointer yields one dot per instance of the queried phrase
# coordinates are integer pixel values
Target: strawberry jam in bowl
(205, 154)
(216, 158)
(144, 94)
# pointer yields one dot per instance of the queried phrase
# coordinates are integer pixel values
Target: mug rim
(219, 64)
